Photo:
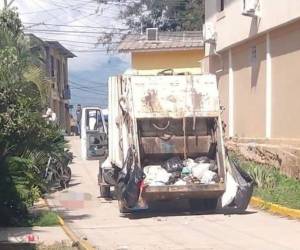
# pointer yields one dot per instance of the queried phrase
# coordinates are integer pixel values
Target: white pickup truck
(154, 120)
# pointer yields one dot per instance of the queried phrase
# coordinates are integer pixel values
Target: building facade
(55, 64)
(253, 46)
(179, 52)
(255, 57)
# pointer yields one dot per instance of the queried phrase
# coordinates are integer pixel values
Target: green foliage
(26, 140)
(37, 76)
(44, 219)
(271, 184)
(167, 15)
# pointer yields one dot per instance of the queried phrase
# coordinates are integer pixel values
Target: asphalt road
(169, 225)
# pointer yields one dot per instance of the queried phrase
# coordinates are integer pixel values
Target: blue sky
(89, 71)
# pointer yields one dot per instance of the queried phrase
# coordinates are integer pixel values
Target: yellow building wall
(181, 61)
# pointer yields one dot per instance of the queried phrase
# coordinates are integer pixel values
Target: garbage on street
(175, 171)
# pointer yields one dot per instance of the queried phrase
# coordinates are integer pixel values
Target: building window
(221, 5)
(58, 74)
(52, 65)
(65, 74)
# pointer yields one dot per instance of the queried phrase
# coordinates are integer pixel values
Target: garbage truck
(166, 143)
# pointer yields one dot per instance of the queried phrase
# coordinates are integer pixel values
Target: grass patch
(42, 219)
(56, 246)
(45, 219)
(271, 185)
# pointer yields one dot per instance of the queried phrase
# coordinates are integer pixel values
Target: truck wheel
(122, 208)
(105, 191)
(203, 204)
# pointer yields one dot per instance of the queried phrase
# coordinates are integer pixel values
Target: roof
(166, 40)
(62, 49)
(53, 44)
(32, 37)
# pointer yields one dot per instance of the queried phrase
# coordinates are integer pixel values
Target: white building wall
(232, 27)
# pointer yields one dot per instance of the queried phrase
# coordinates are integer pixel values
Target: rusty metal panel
(198, 126)
(175, 145)
(183, 192)
(175, 96)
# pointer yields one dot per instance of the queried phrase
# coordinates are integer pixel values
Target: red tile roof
(166, 41)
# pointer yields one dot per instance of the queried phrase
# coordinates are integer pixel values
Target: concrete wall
(272, 14)
(249, 89)
(285, 50)
(250, 85)
(184, 60)
(222, 79)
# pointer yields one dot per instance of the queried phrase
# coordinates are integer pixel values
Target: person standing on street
(74, 127)
(78, 117)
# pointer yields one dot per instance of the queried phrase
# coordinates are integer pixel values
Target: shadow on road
(179, 208)
(71, 218)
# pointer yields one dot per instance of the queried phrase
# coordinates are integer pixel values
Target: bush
(271, 185)
(26, 140)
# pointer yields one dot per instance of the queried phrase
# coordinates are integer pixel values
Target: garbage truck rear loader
(165, 141)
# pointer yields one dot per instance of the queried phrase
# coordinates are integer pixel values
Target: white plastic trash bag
(231, 190)
(106, 164)
(156, 175)
(199, 170)
(180, 183)
(209, 177)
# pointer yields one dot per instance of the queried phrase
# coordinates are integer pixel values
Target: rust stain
(197, 99)
(151, 101)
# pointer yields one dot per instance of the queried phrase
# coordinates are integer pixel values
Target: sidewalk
(45, 235)
(35, 235)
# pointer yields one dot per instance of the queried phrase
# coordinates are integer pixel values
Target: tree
(26, 139)
(166, 15)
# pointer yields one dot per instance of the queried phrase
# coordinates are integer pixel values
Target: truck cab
(94, 139)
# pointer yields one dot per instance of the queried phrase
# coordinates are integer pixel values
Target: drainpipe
(230, 98)
(268, 87)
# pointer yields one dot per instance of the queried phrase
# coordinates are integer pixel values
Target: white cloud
(74, 13)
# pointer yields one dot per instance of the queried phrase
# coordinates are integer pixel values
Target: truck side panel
(113, 129)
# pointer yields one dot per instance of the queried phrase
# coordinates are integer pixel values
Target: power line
(87, 81)
(75, 41)
(93, 51)
(71, 31)
(90, 81)
(77, 85)
(90, 92)
(76, 26)
(84, 87)
(58, 34)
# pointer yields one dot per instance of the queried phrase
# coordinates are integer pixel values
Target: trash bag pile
(175, 171)
(129, 181)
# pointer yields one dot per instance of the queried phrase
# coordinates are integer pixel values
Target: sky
(77, 25)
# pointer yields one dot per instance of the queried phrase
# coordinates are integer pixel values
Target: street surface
(169, 226)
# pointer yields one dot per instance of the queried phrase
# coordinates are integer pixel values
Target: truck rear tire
(105, 191)
(122, 208)
(203, 204)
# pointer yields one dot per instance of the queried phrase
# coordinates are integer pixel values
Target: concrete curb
(274, 208)
(77, 242)
(81, 244)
